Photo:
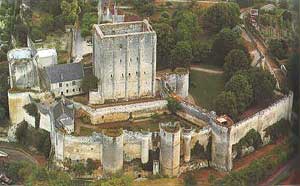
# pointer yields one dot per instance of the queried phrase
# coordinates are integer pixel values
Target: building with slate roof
(64, 79)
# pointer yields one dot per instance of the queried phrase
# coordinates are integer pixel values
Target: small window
(111, 75)
(79, 89)
(129, 74)
(120, 60)
(73, 83)
(122, 75)
(121, 46)
(73, 90)
(67, 91)
(137, 58)
(61, 93)
(136, 73)
(144, 72)
(60, 84)
(67, 84)
(130, 59)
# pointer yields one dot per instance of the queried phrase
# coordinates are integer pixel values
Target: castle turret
(170, 148)
(112, 155)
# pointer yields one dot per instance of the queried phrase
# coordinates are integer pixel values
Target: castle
(130, 95)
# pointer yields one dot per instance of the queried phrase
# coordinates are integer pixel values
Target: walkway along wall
(224, 137)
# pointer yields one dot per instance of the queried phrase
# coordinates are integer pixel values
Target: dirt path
(277, 173)
(15, 154)
(211, 71)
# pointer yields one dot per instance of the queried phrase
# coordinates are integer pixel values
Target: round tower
(170, 148)
(112, 152)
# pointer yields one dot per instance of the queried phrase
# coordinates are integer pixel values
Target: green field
(204, 87)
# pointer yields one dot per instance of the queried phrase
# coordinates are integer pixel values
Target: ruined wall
(16, 101)
(125, 63)
(76, 147)
(137, 145)
(223, 138)
(123, 112)
(281, 109)
(178, 82)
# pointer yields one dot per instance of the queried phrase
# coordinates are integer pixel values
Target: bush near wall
(37, 138)
(278, 130)
(252, 138)
(259, 169)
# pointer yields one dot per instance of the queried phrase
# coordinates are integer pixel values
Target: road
(270, 63)
(15, 154)
(207, 70)
(282, 170)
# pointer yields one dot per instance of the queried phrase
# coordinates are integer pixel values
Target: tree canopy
(221, 15)
(89, 82)
(242, 90)
(226, 103)
(234, 61)
(278, 48)
(182, 54)
(225, 41)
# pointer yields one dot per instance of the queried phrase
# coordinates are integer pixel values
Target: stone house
(64, 79)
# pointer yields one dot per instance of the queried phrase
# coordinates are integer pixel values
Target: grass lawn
(160, 182)
(204, 87)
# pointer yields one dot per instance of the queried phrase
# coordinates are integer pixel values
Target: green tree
(186, 25)
(47, 23)
(278, 48)
(69, 10)
(190, 180)
(234, 61)
(283, 4)
(240, 86)
(263, 84)
(87, 22)
(79, 169)
(201, 52)
(165, 43)
(225, 41)
(225, 103)
(221, 15)
(173, 105)
(2, 113)
(182, 54)
(90, 165)
(90, 82)
(21, 132)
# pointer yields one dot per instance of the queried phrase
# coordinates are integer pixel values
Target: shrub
(252, 138)
(279, 129)
(173, 105)
(190, 180)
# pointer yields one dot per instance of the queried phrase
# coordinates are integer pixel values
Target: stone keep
(124, 60)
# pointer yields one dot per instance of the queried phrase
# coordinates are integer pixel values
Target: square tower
(124, 60)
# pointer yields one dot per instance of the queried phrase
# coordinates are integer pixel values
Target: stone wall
(124, 112)
(16, 101)
(224, 137)
(76, 147)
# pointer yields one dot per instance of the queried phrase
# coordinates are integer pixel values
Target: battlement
(122, 29)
